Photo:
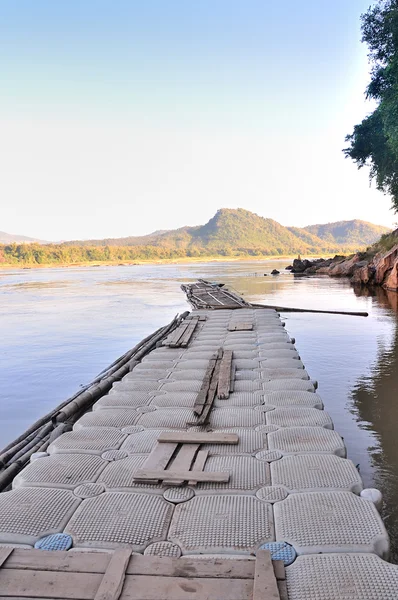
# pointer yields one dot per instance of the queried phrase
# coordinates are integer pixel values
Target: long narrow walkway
(281, 477)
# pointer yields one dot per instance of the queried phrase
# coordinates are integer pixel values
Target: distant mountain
(9, 238)
(347, 233)
(239, 231)
(230, 233)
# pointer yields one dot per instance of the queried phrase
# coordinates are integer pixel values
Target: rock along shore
(362, 268)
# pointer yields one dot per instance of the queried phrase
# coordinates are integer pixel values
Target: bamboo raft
(207, 295)
(202, 465)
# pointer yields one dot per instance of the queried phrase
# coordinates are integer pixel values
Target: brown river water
(60, 327)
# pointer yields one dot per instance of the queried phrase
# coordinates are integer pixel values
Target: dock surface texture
(213, 446)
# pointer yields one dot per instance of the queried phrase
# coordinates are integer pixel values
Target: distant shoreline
(166, 261)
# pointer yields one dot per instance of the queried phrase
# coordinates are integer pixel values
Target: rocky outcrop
(381, 270)
(385, 269)
(314, 266)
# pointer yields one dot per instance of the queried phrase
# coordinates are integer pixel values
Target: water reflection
(375, 401)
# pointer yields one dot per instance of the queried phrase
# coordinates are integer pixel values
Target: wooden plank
(175, 335)
(112, 582)
(226, 307)
(182, 462)
(4, 554)
(199, 464)
(211, 393)
(216, 568)
(48, 584)
(97, 562)
(204, 388)
(195, 437)
(232, 381)
(182, 329)
(224, 378)
(282, 588)
(213, 477)
(241, 326)
(44, 560)
(214, 298)
(179, 588)
(279, 569)
(178, 333)
(265, 586)
(160, 457)
(186, 338)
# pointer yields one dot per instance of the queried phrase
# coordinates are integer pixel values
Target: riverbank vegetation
(230, 234)
(374, 141)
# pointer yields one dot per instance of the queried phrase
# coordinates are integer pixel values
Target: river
(60, 327)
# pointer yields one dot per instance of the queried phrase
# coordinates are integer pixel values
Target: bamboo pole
(22, 439)
(45, 430)
(5, 457)
(312, 310)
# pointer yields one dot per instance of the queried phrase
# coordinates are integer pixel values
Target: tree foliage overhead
(374, 142)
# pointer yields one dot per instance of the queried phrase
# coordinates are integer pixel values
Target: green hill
(230, 233)
(347, 233)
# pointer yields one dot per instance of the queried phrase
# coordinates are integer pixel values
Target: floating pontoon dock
(203, 457)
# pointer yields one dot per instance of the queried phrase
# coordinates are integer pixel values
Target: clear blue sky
(123, 117)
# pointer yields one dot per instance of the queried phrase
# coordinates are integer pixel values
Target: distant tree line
(60, 254)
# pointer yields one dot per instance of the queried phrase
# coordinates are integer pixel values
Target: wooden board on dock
(240, 326)
(176, 453)
(181, 336)
(122, 576)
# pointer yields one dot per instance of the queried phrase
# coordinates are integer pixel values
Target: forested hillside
(230, 233)
(348, 233)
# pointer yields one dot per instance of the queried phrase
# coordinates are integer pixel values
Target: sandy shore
(167, 261)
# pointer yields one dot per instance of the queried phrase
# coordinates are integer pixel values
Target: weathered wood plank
(48, 584)
(177, 341)
(232, 381)
(177, 334)
(42, 560)
(241, 326)
(112, 582)
(279, 569)
(265, 585)
(195, 437)
(199, 464)
(211, 394)
(282, 588)
(183, 462)
(216, 568)
(224, 378)
(90, 562)
(4, 554)
(186, 337)
(160, 456)
(216, 299)
(143, 474)
(178, 588)
(204, 388)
